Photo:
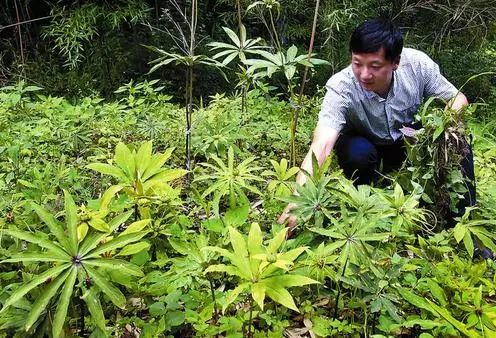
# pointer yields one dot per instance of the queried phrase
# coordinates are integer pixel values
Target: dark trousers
(362, 161)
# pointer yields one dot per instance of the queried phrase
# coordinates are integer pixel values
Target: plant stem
(251, 318)
(212, 291)
(20, 33)
(339, 291)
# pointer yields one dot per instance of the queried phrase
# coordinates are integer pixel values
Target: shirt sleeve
(435, 84)
(334, 107)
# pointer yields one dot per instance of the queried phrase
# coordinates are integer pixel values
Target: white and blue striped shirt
(347, 106)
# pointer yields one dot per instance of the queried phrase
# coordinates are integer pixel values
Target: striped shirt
(347, 106)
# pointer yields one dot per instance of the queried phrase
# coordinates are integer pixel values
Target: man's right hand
(288, 218)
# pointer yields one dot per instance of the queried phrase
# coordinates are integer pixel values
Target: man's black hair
(372, 35)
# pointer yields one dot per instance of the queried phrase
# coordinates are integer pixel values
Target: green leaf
(71, 218)
(132, 249)
(63, 304)
(54, 225)
(107, 169)
(258, 294)
(37, 257)
(143, 157)
(124, 158)
(42, 301)
(281, 296)
(135, 227)
(436, 291)
(156, 163)
(449, 318)
(99, 224)
(233, 294)
(92, 300)
(277, 241)
(287, 281)
(108, 195)
(157, 309)
(116, 243)
(25, 288)
(237, 216)
(107, 287)
(255, 238)
(116, 264)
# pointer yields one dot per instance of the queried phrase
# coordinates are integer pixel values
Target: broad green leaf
(135, 227)
(132, 249)
(255, 238)
(29, 237)
(238, 243)
(469, 244)
(107, 287)
(55, 226)
(287, 280)
(277, 241)
(108, 195)
(281, 296)
(99, 224)
(63, 303)
(116, 243)
(107, 169)
(143, 157)
(436, 291)
(119, 219)
(82, 231)
(92, 300)
(124, 158)
(42, 301)
(116, 264)
(71, 218)
(414, 299)
(258, 294)
(156, 163)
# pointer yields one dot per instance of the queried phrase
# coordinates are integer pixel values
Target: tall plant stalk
(297, 109)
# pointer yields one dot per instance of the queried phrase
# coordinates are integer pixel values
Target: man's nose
(366, 74)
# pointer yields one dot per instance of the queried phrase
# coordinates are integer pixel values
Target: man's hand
(323, 141)
(289, 219)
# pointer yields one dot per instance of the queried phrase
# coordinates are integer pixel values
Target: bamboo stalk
(296, 112)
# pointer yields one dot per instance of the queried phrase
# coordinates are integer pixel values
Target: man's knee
(357, 152)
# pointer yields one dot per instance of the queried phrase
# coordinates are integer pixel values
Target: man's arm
(324, 139)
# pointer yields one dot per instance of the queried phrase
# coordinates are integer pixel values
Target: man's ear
(396, 62)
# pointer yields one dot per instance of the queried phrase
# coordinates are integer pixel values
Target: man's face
(373, 71)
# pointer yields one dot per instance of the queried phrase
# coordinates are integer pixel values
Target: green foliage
(73, 259)
(231, 180)
(263, 270)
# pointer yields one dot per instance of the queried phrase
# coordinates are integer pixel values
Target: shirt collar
(371, 95)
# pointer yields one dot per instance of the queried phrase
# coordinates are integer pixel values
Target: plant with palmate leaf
(351, 235)
(262, 269)
(318, 263)
(280, 185)
(287, 63)
(230, 179)
(185, 41)
(469, 229)
(73, 259)
(404, 211)
(141, 175)
(238, 49)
